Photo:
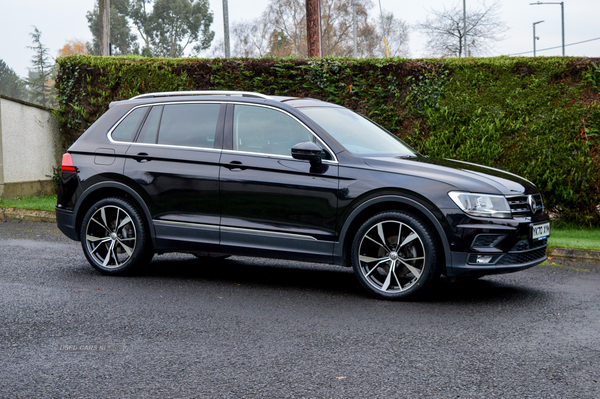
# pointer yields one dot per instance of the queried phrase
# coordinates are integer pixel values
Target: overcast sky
(61, 20)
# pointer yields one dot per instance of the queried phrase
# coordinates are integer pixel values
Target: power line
(552, 48)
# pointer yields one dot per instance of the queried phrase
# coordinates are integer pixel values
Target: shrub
(536, 117)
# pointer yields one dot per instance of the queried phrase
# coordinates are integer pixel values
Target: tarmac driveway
(258, 328)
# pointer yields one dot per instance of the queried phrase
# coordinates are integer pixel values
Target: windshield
(356, 133)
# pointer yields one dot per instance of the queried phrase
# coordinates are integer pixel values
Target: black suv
(243, 173)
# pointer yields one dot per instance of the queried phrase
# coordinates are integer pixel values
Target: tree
(284, 24)
(121, 38)
(251, 38)
(172, 25)
(74, 46)
(40, 75)
(446, 30)
(11, 84)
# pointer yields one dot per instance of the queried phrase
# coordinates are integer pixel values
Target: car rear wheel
(114, 237)
(394, 255)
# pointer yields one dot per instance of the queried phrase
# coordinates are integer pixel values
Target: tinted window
(267, 131)
(356, 133)
(149, 131)
(190, 125)
(128, 127)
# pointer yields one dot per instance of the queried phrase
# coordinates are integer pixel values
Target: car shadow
(271, 273)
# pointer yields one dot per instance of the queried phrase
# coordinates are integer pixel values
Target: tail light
(67, 164)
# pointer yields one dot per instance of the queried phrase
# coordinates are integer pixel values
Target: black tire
(114, 237)
(394, 255)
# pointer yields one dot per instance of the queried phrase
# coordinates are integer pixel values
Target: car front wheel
(114, 237)
(394, 255)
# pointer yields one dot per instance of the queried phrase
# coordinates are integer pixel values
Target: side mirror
(308, 151)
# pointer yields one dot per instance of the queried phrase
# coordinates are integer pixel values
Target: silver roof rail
(202, 93)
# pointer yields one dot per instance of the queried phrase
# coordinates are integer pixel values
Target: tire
(394, 255)
(114, 237)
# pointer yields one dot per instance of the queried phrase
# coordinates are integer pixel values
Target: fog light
(484, 258)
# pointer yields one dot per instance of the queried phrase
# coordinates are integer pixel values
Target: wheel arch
(103, 190)
(376, 205)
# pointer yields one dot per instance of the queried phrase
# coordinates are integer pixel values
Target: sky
(63, 20)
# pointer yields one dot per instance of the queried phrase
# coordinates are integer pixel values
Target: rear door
(174, 163)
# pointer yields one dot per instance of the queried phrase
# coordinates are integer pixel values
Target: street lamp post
(465, 26)
(562, 16)
(534, 36)
(226, 28)
(354, 27)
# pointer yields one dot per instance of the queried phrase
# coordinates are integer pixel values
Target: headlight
(485, 205)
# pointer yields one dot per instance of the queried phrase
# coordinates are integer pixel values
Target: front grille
(523, 257)
(519, 204)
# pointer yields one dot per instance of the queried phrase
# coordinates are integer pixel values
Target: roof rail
(202, 93)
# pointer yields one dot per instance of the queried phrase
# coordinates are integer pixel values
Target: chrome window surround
(109, 134)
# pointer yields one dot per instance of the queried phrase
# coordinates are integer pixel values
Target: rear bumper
(65, 221)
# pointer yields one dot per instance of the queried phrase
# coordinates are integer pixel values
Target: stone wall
(30, 146)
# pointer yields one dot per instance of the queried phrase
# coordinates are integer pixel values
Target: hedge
(536, 117)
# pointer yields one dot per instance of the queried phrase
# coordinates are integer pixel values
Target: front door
(272, 204)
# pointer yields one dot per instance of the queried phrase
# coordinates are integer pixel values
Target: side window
(189, 125)
(149, 131)
(128, 127)
(267, 131)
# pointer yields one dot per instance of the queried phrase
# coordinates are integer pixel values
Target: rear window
(128, 127)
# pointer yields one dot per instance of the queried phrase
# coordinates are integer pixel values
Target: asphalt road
(258, 328)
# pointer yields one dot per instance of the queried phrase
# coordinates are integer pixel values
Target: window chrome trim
(183, 147)
(112, 141)
(274, 156)
(117, 123)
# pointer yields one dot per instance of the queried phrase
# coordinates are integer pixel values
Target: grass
(573, 237)
(43, 203)
(564, 236)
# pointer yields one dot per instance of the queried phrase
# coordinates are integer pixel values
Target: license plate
(539, 231)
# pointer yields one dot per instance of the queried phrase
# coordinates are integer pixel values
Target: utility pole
(104, 27)
(226, 27)
(562, 18)
(387, 53)
(313, 28)
(534, 36)
(465, 26)
(354, 27)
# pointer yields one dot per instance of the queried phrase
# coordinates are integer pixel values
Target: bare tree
(370, 37)
(251, 38)
(446, 33)
(281, 31)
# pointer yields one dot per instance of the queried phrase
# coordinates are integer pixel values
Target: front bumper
(484, 246)
(465, 263)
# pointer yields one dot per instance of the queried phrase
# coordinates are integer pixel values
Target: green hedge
(536, 117)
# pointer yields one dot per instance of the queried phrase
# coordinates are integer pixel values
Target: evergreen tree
(40, 75)
(122, 40)
(11, 84)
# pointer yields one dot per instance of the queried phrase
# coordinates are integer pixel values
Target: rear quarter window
(128, 127)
